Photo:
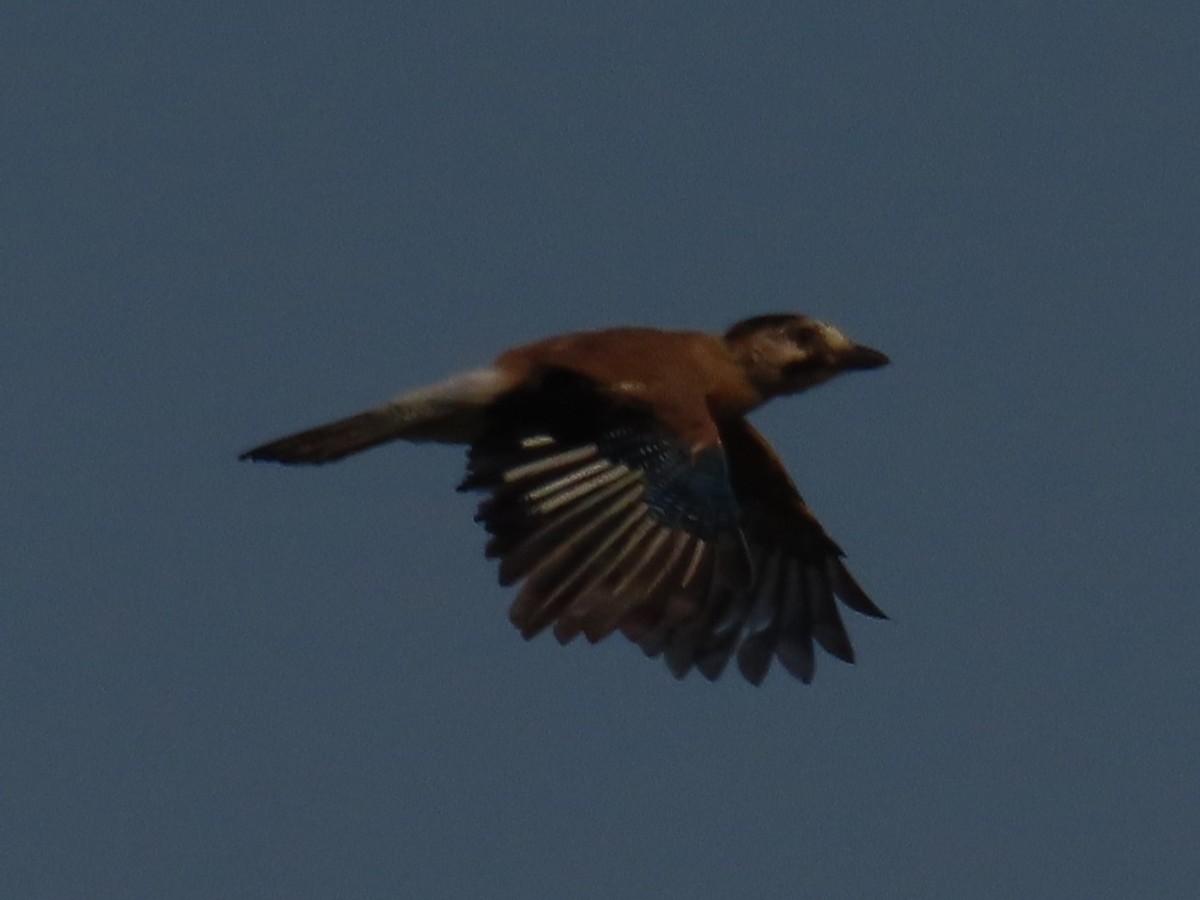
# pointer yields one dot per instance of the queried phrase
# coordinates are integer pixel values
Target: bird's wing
(607, 517)
(612, 522)
(798, 573)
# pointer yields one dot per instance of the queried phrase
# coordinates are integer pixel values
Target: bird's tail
(448, 412)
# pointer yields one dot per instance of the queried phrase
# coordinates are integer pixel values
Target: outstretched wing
(612, 522)
(607, 518)
(798, 574)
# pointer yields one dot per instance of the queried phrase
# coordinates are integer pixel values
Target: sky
(223, 222)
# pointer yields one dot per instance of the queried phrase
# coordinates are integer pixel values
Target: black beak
(860, 357)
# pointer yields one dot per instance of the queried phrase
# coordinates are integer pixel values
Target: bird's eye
(804, 334)
(798, 369)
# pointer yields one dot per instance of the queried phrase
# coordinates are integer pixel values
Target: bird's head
(787, 354)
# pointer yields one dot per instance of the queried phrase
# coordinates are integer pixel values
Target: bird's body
(690, 379)
(627, 491)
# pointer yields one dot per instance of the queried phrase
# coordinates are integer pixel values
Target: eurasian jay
(626, 491)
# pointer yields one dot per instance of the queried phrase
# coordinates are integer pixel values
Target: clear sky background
(221, 222)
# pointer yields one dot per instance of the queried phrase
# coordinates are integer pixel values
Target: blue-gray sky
(221, 222)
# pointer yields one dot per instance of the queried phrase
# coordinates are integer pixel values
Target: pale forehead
(833, 337)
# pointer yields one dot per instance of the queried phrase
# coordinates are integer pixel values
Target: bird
(624, 490)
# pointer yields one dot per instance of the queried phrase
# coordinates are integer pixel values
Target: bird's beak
(859, 357)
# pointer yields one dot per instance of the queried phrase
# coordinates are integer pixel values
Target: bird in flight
(624, 489)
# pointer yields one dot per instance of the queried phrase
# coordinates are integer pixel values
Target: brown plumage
(625, 489)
